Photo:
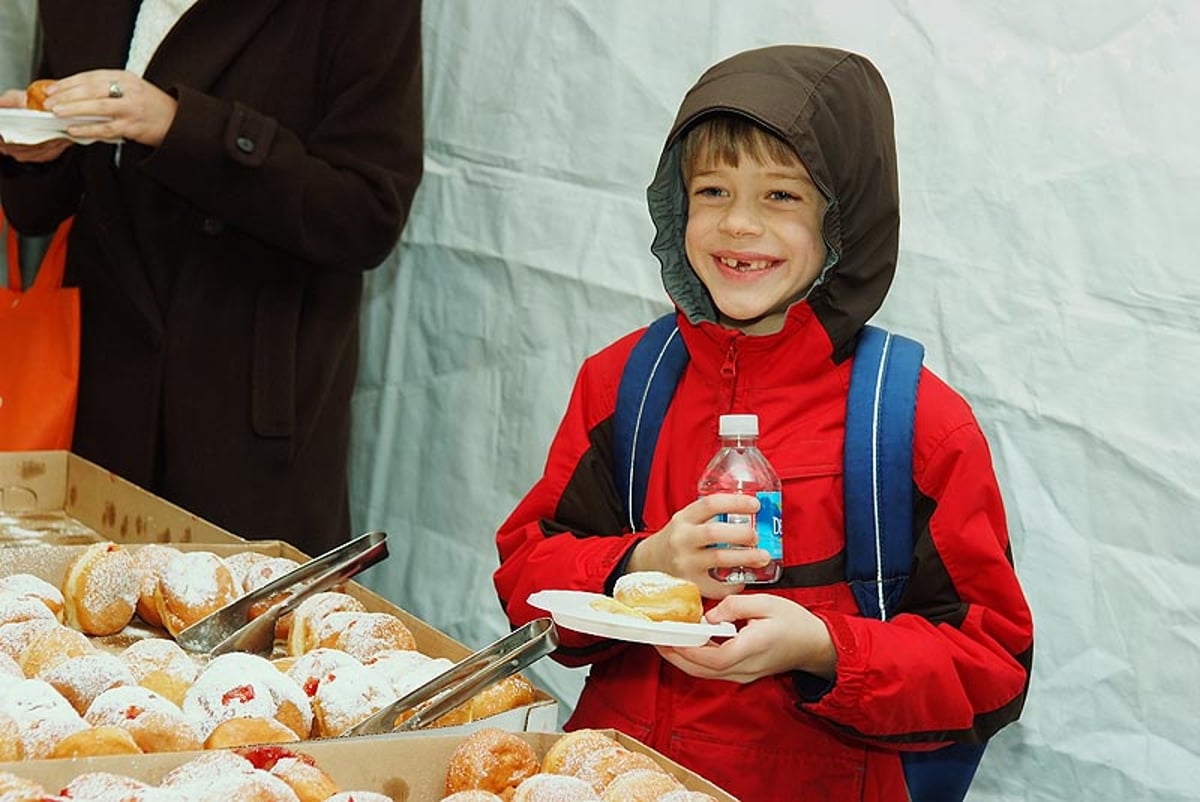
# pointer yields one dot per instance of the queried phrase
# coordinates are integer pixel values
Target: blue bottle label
(769, 522)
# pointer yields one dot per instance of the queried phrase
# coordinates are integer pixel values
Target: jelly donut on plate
(660, 596)
(100, 589)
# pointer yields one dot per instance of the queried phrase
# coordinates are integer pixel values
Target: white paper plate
(28, 127)
(572, 609)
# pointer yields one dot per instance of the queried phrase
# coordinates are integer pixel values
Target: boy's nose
(740, 220)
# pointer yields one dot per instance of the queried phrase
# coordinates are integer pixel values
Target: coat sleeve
(567, 532)
(339, 195)
(953, 665)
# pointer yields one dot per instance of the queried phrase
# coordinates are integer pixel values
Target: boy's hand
(779, 635)
(683, 547)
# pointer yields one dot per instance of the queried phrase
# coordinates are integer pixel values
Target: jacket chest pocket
(813, 513)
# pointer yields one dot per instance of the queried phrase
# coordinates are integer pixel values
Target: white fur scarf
(155, 19)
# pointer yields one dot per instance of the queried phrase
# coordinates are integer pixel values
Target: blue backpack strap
(643, 395)
(879, 512)
(877, 478)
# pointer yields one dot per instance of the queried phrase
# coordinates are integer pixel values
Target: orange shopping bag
(39, 352)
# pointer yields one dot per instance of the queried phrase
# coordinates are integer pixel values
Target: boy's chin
(768, 323)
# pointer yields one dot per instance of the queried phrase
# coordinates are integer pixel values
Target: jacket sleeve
(567, 532)
(953, 665)
(339, 196)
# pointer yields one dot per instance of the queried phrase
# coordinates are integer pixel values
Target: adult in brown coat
(270, 156)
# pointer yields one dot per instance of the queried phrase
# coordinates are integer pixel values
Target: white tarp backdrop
(1050, 180)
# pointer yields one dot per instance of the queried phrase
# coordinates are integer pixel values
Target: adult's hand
(138, 110)
(46, 151)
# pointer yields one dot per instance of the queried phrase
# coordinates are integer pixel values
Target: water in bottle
(739, 467)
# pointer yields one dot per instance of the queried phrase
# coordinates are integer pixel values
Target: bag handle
(54, 263)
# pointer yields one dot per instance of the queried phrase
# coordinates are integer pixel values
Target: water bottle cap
(738, 425)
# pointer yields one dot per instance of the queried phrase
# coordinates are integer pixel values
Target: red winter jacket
(953, 664)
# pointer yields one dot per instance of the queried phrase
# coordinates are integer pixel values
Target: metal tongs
(463, 680)
(230, 629)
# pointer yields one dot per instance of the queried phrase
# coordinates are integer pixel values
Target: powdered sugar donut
(311, 668)
(44, 717)
(598, 768)
(492, 760)
(15, 609)
(100, 589)
(224, 775)
(364, 635)
(191, 585)
(554, 788)
(684, 795)
(247, 731)
(11, 747)
(660, 596)
(568, 753)
(359, 796)
(238, 684)
(104, 785)
(471, 795)
(348, 695)
(507, 694)
(10, 667)
(639, 785)
(81, 679)
(18, 789)
(161, 665)
(406, 669)
(306, 778)
(306, 619)
(51, 647)
(96, 741)
(149, 561)
(16, 637)
(155, 723)
(34, 587)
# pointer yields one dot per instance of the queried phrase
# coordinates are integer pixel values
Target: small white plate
(572, 609)
(29, 127)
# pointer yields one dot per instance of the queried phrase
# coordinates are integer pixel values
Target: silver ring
(114, 91)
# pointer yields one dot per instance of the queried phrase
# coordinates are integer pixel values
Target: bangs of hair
(723, 139)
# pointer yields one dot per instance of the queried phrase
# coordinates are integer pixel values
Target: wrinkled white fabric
(155, 19)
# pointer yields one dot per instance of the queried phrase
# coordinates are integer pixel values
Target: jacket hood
(833, 108)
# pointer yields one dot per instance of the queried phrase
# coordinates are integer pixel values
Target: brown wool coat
(221, 273)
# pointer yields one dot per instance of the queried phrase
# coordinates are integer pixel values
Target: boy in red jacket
(777, 211)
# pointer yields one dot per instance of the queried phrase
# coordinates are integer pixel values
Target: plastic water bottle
(739, 467)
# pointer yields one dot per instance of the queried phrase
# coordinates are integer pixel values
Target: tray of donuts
(89, 665)
(484, 765)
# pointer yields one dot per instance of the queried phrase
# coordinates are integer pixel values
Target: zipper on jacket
(729, 376)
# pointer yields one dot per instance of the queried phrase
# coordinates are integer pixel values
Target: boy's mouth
(746, 265)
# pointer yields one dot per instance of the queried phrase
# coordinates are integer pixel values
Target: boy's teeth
(745, 266)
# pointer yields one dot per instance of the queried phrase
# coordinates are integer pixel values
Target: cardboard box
(408, 768)
(58, 499)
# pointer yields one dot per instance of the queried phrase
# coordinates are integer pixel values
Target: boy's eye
(782, 195)
(708, 192)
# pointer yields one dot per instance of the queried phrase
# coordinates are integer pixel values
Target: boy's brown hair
(723, 138)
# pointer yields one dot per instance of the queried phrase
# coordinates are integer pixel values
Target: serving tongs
(230, 629)
(463, 680)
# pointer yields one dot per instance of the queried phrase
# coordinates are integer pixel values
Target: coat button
(212, 226)
(245, 144)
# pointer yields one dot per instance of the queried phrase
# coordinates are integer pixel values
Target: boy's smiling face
(754, 237)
